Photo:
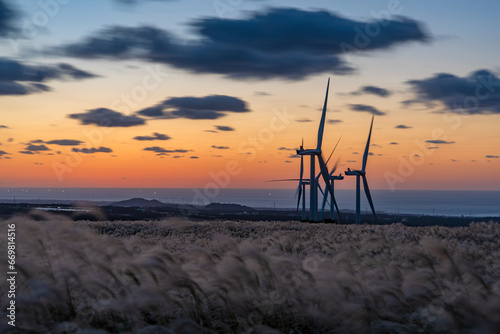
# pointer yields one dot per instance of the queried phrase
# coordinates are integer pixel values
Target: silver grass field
(180, 276)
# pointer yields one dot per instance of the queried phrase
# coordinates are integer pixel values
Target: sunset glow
(177, 94)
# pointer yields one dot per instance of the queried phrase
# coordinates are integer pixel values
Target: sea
(421, 202)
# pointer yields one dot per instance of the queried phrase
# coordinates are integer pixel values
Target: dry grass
(177, 276)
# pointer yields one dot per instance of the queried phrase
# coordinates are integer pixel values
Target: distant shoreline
(142, 209)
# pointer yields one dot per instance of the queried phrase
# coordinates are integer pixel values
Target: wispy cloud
(373, 90)
(401, 126)
(93, 150)
(155, 136)
(220, 147)
(477, 93)
(107, 118)
(366, 108)
(261, 94)
(246, 48)
(17, 78)
(158, 149)
(64, 142)
(224, 128)
(439, 141)
(208, 107)
(37, 148)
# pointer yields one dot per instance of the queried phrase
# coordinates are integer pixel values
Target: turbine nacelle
(309, 152)
(355, 172)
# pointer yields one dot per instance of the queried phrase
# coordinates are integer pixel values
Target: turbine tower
(332, 178)
(313, 153)
(362, 174)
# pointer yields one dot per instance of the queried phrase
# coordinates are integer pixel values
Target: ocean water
(448, 203)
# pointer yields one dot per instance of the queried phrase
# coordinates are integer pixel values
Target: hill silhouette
(140, 202)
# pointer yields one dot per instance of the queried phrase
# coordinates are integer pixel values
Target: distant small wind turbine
(362, 173)
(301, 189)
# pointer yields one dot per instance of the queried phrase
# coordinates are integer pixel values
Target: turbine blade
(367, 148)
(322, 121)
(281, 180)
(324, 172)
(368, 196)
(333, 150)
(321, 190)
(325, 197)
(334, 167)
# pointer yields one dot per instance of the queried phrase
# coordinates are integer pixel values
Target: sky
(193, 94)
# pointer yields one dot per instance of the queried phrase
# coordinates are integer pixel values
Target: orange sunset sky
(176, 93)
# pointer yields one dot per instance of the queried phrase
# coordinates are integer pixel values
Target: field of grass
(178, 276)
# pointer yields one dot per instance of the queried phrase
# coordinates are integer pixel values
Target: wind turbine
(302, 185)
(332, 178)
(313, 153)
(301, 189)
(362, 173)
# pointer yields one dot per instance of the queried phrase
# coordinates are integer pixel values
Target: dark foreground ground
(185, 276)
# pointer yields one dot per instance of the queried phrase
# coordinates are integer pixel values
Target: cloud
(224, 128)
(493, 156)
(155, 136)
(401, 126)
(439, 141)
(378, 91)
(334, 121)
(220, 147)
(208, 107)
(366, 108)
(26, 152)
(393, 143)
(17, 78)
(133, 2)
(286, 149)
(300, 43)
(257, 93)
(4, 127)
(158, 149)
(37, 148)
(2, 153)
(194, 157)
(92, 150)
(477, 93)
(303, 120)
(8, 18)
(64, 142)
(107, 118)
